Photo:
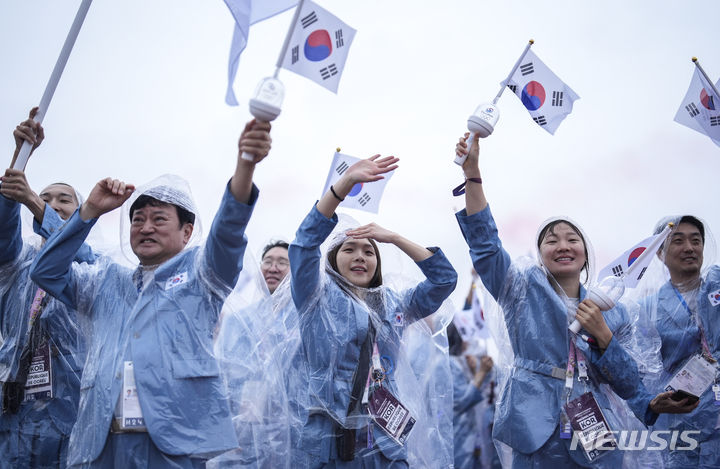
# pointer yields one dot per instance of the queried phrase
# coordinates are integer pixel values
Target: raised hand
(15, 186)
(255, 140)
(373, 231)
(471, 166)
(369, 170)
(107, 195)
(29, 130)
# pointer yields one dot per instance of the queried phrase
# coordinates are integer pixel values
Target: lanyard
(703, 341)
(37, 306)
(574, 356)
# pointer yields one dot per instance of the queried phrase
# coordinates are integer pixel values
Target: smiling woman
(352, 332)
(541, 400)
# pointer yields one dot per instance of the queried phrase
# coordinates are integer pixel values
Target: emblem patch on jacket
(175, 281)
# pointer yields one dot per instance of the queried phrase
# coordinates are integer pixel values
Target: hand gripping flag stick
(47, 96)
(269, 95)
(611, 289)
(482, 122)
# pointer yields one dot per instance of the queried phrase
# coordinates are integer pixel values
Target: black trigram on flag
(540, 120)
(557, 98)
(642, 273)
(692, 109)
(342, 167)
(327, 72)
(295, 54)
(513, 88)
(526, 69)
(617, 270)
(339, 39)
(364, 199)
(715, 120)
(308, 20)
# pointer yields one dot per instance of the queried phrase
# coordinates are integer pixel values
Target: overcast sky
(143, 95)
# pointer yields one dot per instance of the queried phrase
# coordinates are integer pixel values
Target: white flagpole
(47, 96)
(281, 58)
(512, 72)
(712, 85)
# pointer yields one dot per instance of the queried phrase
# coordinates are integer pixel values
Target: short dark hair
(274, 244)
(696, 223)
(185, 216)
(376, 279)
(455, 341)
(551, 226)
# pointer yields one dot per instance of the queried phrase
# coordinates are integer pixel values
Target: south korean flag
(318, 46)
(363, 196)
(546, 97)
(700, 109)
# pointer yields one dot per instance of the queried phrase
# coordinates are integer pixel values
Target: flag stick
(712, 85)
(512, 72)
(47, 96)
(281, 58)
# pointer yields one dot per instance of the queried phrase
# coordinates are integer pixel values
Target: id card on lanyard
(582, 415)
(695, 376)
(38, 384)
(132, 417)
(385, 409)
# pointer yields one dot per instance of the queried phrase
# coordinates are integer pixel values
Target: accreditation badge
(695, 377)
(590, 426)
(389, 413)
(132, 417)
(39, 378)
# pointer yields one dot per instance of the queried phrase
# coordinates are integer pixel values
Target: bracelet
(460, 190)
(335, 194)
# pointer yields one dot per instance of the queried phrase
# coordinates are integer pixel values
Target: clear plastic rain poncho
(529, 316)
(41, 349)
(681, 315)
(150, 366)
(257, 346)
(338, 322)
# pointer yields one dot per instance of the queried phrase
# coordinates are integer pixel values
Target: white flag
(246, 13)
(700, 109)
(318, 46)
(638, 256)
(363, 196)
(470, 322)
(544, 95)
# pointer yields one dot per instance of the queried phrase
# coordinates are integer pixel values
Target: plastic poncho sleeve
(619, 369)
(51, 223)
(11, 232)
(465, 393)
(52, 266)
(490, 260)
(304, 254)
(226, 242)
(439, 283)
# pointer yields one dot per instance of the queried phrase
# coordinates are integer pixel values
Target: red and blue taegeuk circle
(356, 189)
(318, 46)
(634, 255)
(533, 96)
(707, 100)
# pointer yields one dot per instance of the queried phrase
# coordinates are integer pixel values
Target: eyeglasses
(281, 264)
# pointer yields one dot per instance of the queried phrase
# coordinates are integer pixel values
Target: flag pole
(47, 96)
(699, 67)
(281, 58)
(512, 72)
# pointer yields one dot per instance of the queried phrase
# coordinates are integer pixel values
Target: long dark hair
(376, 279)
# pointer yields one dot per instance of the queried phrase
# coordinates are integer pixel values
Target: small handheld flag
(363, 196)
(546, 97)
(318, 46)
(246, 13)
(700, 109)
